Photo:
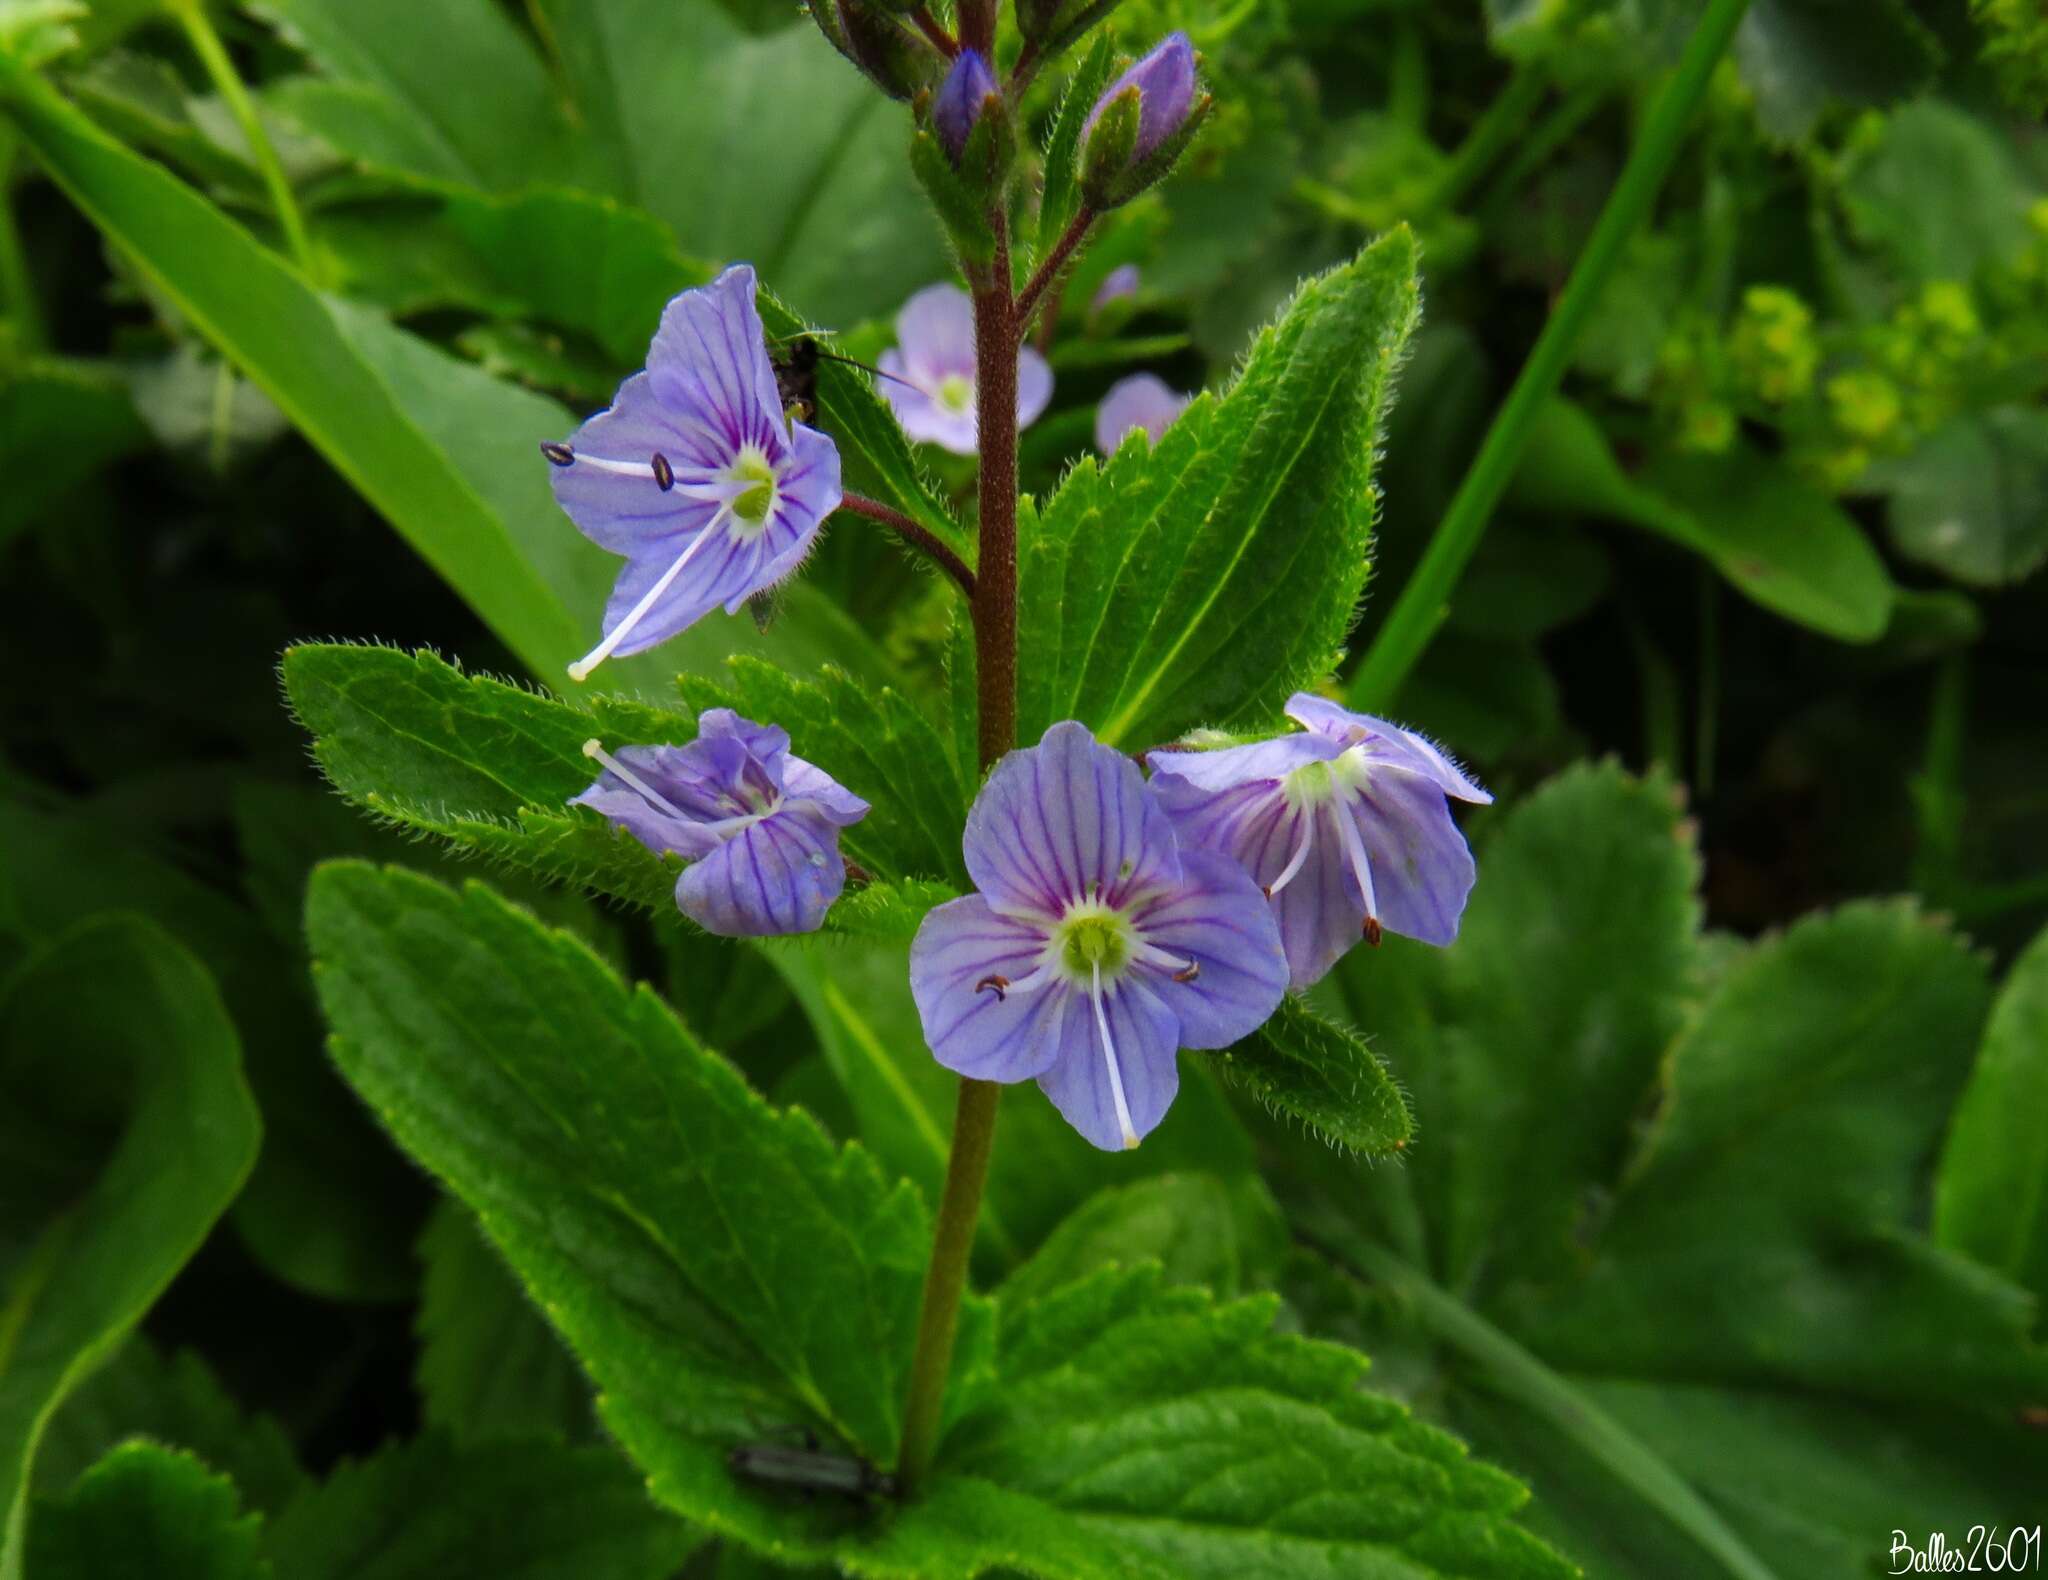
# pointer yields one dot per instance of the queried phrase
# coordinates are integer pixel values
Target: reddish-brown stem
(1025, 69)
(927, 24)
(1050, 266)
(978, 27)
(997, 330)
(919, 537)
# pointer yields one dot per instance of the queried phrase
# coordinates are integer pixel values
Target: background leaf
(146, 1513)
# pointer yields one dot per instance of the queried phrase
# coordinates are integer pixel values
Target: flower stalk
(918, 537)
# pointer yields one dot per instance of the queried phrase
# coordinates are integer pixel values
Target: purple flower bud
(1165, 80)
(759, 827)
(1144, 400)
(968, 87)
(1096, 946)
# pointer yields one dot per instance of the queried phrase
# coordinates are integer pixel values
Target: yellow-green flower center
(1091, 936)
(956, 392)
(1314, 783)
(754, 503)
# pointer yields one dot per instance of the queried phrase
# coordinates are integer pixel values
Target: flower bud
(962, 100)
(893, 56)
(1140, 124)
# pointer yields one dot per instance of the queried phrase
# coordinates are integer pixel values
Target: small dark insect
(796, 373)
(764, 606)
(810, 1470)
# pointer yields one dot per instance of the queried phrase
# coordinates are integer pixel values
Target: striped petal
(1218, 922)
(780, 875)
(1142, 1042)
(976, 1030)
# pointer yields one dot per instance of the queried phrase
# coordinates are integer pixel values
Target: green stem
(1551, 133)
(17, 286)
(998, 326)
(1422, 605)
(1515, 1374)
(1938, 787)
(1408, 75)
(1488, 138)
(213, 55)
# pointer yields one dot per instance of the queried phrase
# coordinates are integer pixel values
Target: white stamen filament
(1152, 955)
(1116, 1080)
(1354, 848)
(599, 463)
(1308, 836)
(595, 749)
(580, 670)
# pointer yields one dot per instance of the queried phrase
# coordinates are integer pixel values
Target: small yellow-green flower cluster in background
(2016, 47)
(1773, 345)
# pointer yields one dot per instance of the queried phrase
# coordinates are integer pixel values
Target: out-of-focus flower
(1119, 285)
(695, 474)
(1142, 401)
(1097, 946)
(1773, 347)
(759, 827)
(934, 357)
(1344, 825)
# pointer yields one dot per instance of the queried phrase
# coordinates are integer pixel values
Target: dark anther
(664, 474)
(1372, 931)
(856, 874)
(998, 983)
(1267, 890)
(558, 454)
(1194, 970)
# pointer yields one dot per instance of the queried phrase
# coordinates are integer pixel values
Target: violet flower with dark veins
(1344, 825)
(934, 358)
(1097, 946)
(759, 827)
(695, 474)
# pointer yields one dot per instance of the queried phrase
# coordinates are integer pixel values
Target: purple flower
(694, 474)
(968, 87)
(1097, 946)
(1344, 825)
(1165, 81)
(759, 827)
(934, 356)
(1119, 285)
(1141, 401)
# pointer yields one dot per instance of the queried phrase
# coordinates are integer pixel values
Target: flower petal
(1034, 386)
(1422, 869)
(1321, 911)
(1145, 1033)
(726, 569)
(778, 876)
(709, 364)
(1064, 820)
(1385, 741)
(935, 331)
(807, 491)
(1143, 401)
(979, 1032)
(1218, 921)
(626, 514)
(1228, 767)
(626, 808)
(922, 417)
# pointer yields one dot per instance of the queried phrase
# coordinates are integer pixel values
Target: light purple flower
(695, 475)
(759, 827)
(1165, 80)
(934, 356)
(1119, 285)
(1097, 946)
(1345, 826)
(961, 98)
(1141, 401)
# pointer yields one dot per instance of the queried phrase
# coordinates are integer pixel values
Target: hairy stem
(17, 287)
(997, 327)
(1425, 599)
(928, 25)
(925, 542)
(1050, 267)
(213, 55)
(977, 19)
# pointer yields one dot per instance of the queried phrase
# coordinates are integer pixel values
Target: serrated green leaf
(1061, 197)
(174, 1400)
(1798, 57)
(1776, 538)
(882, 747)
(717, 1265)
(147, 1513)
(128, 1130)
(489, 1364)
(1659, 1233)
(1224, 1234)
(513, 1511)
(1322, 1076)
(1991, 1196)
(489, 767)
(1201, 581)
